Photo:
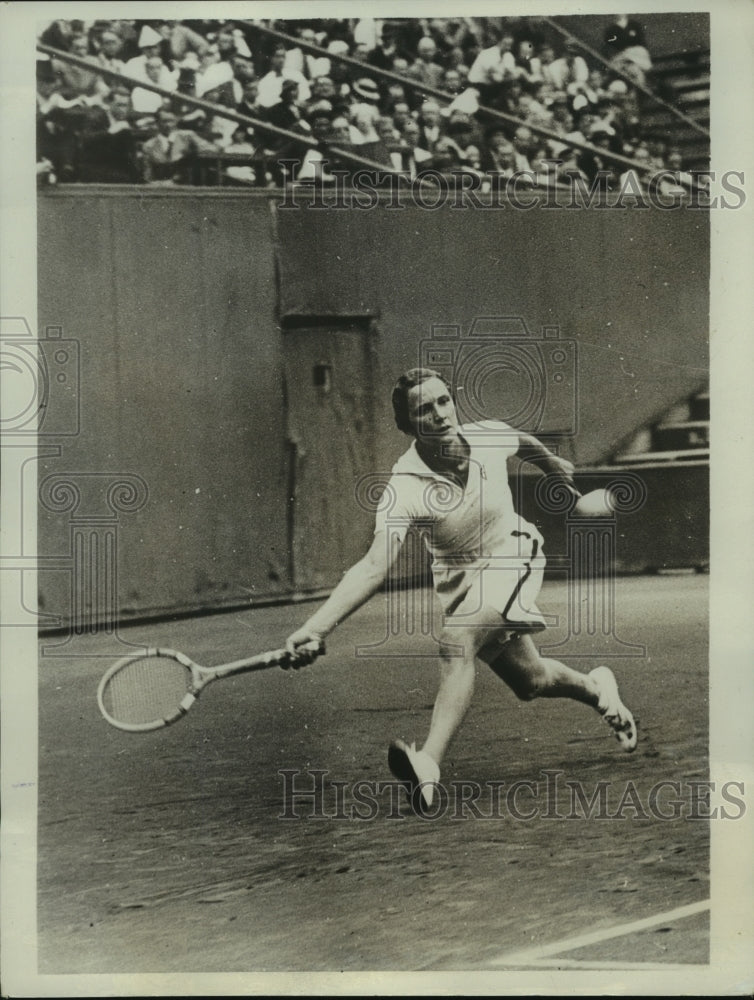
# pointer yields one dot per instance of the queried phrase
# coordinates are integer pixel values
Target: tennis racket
(149, 690)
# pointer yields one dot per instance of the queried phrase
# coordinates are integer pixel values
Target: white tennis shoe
(417, 769)
(612, 709)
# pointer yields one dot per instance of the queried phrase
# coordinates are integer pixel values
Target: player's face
(432, 411)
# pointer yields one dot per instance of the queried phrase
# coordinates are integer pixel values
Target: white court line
(570, 944)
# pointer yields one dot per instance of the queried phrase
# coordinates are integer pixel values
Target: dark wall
(182, 301)
(627, 291)
(173, 302)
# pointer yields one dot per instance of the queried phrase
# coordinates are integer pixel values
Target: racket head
(149, 690)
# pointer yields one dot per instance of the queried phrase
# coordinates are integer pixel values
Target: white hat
(467, 101)
(618, 87)
(338, 47)
(149, 37)
(241, 47)
(215, 75)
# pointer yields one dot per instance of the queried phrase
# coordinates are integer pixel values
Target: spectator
(386, 51)
(253, 174)
(451, 33)
(75, 81)
(465, 133)
(594, 89)
(340, 132)
(446, 158)
(360, 52)
(180, 40)
(401, 115)
(411, 157)
(492, 66)
(457, 60)
(633, 178)
(400, 66)
(108, 150)
(387, 132)
(528, 66)
(424, 68)
(431, 125)
(363, 120)
(523, 146)
(297, 60)
(451, 81)
(561, 122)
(243, 69)
(147, 102)
(271, 84)
(367, 93)
(170, 155)
(218, 85)
(592, 163)
(110, 49)
(544, 167)
(499, 154)
(570, 68)
(625, 46)
(531, 109)
(60, 34)
(249, 103)
(150, 43)
(286, 113)
(55, 144)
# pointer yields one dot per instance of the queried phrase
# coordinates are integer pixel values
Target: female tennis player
(487, 568)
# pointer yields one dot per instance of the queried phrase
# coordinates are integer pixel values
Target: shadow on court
(187, 849)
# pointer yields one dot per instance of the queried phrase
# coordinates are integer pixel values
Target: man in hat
(487, 568)
(367, 91)
(150, 44)
(286, 113)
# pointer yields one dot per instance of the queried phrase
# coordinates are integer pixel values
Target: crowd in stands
(96, 128)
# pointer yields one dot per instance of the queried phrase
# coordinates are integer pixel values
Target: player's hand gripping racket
(149, 690)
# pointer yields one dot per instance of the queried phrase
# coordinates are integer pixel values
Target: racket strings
(146, 689)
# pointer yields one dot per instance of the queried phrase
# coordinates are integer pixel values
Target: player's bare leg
(530, 676)
(420, 768)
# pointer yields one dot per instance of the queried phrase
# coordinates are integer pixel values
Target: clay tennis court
(171, 851)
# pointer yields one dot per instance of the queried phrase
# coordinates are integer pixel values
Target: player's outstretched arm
(361, 582)
(531, 449)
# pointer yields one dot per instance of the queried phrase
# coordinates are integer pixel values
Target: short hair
(409, 380)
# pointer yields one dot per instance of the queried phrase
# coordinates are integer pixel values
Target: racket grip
(305, 654)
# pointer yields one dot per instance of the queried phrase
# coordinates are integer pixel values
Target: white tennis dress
(483, 553)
